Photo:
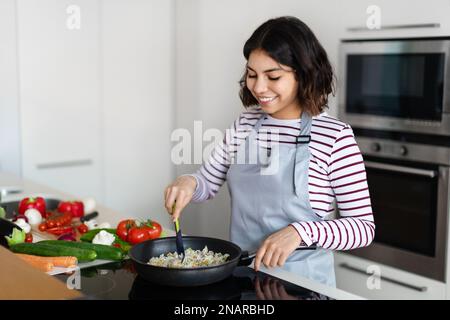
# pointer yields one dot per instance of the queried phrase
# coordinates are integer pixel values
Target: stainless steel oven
(396, 84)
(395, 94)
(409, 187)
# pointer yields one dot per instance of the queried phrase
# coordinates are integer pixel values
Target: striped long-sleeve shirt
(336, 174)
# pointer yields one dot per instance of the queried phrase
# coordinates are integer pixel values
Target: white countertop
(30, 188)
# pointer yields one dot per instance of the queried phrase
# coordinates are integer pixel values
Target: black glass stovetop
(119, 281)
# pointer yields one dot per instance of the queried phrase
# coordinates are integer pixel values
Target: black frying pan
(141, 253)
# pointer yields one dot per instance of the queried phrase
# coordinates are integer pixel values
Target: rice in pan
(193, 259)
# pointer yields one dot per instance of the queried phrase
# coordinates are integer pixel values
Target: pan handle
(248, 256)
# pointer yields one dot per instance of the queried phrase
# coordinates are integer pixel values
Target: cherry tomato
(82, 228)
(43, 226)
(28, 237)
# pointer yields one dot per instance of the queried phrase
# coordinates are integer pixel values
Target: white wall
(10, 157)
(210, 37)
(138, 103)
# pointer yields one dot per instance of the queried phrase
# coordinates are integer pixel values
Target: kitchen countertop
(30, 188)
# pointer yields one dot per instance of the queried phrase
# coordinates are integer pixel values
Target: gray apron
(270, 193)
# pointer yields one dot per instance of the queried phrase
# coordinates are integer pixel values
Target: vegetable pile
(77, 241)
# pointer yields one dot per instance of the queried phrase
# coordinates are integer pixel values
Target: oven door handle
(396, 168)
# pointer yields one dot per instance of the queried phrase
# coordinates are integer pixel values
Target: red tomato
(28, 237)
(123, 228)
(75, 208)
(139, 234)
(51, 224)
(43, 226)
(146, 231)
(155, 229)
(82, 228)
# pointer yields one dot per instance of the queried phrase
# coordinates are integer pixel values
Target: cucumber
(47, 250)
(103, 251)
(90, 235)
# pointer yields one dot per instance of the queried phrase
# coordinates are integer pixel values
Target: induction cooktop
(119, 281)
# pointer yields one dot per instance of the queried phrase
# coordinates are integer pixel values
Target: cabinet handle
(407, 285)
(398, 26)
(62, 164)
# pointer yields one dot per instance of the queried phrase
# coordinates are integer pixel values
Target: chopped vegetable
(2, 213)
(193, 259)
(17, 236)
(34, 216)
(104, 237)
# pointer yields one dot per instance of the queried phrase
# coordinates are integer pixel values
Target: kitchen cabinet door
(372, 280)
(402, 18)
(58, 50)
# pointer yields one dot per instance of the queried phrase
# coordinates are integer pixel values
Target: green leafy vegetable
(18, 236)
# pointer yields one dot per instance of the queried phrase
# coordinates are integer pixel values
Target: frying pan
(141, 253)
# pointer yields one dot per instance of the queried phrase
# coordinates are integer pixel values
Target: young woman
(314, 159)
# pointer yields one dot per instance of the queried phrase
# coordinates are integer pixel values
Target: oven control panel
(404, 150)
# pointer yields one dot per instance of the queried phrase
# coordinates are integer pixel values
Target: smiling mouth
(266, 99)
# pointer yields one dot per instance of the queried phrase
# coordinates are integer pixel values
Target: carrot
(37, 263)
(62, 261)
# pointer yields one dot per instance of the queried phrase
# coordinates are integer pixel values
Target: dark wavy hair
(290, 42)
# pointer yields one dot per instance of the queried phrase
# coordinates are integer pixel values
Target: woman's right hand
(181, 192)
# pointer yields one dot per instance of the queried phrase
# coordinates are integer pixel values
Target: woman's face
(273, 85)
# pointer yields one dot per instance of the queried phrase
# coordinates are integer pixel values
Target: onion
(19, 216)
(67, 237)
(34, 216)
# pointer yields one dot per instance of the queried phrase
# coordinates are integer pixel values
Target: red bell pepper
(75, 208)
(37, 203)
(57, 231)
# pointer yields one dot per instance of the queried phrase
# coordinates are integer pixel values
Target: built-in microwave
(396, 84)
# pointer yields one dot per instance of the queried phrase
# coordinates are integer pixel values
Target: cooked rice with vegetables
(193, 259)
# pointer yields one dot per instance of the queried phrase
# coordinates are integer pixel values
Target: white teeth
(266, 99)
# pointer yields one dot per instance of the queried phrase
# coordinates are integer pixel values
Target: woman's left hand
(277, 247)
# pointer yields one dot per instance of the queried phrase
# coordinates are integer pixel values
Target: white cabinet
(420, 16)
(96, 99)
(355, 275)
(58, 50)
